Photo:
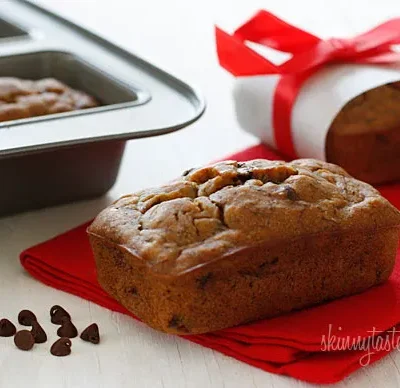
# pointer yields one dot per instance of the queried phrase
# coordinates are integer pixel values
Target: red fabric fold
(293, 344)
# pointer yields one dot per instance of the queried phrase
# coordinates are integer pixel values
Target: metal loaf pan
(11, 31)
(64, 157)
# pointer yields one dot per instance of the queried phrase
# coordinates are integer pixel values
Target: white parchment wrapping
(321, 98)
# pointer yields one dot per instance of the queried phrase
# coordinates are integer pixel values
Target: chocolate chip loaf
(21, 99)
(236, 242)
(364, 138)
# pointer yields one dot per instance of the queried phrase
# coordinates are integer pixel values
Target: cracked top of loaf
(20, 98)
(214, 210)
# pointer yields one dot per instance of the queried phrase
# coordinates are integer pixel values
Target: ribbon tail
(267, 29)
(390, 58)
(238, 59)
(385, 34)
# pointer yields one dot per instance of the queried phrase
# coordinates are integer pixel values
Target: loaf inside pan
(22, 98)
(236, 242)
(364, 138)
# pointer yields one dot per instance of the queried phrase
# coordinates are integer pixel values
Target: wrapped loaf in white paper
(345, 114)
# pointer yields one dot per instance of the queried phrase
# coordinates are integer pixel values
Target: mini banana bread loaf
(236, 242)
(364, 138)
(21, 99)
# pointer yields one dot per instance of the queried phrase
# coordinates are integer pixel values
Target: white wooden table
(178, 36)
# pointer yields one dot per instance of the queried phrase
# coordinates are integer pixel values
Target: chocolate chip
(250, 273)
(187, 172)
(267, 264)
(291, 193)
(24, 340)
(61, 347)
(382, 138)
(57, 313)
(26, 317)
(263, 265)
(7, 328)
(288, 191)
(176, 322)
(203, 280)
(244, 175)
(132, 291)
(91, 334)
(275, 260)
(38, 333)
(67, 329)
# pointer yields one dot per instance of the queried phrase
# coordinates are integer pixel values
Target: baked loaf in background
(237, 242)
(21, 99)
(364, 138)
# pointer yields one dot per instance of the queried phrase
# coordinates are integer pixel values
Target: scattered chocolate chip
(61, 347)
(67, 329)
(7, 328)
(57, 313)
(24, 340)
(26, 317)
(203, 280)
(91, 334)
(38, 333)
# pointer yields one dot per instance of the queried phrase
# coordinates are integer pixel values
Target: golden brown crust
(250, 284)
(213, 211)
(236, 242)
(364, 138)
(26, 98)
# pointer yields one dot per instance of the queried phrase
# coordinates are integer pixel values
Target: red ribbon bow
(309, 54)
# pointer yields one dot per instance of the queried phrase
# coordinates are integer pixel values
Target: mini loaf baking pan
(68, 156)
(11, 31)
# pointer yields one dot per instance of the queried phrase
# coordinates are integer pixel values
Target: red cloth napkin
(322, 344)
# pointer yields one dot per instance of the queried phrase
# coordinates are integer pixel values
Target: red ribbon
(309, 53)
